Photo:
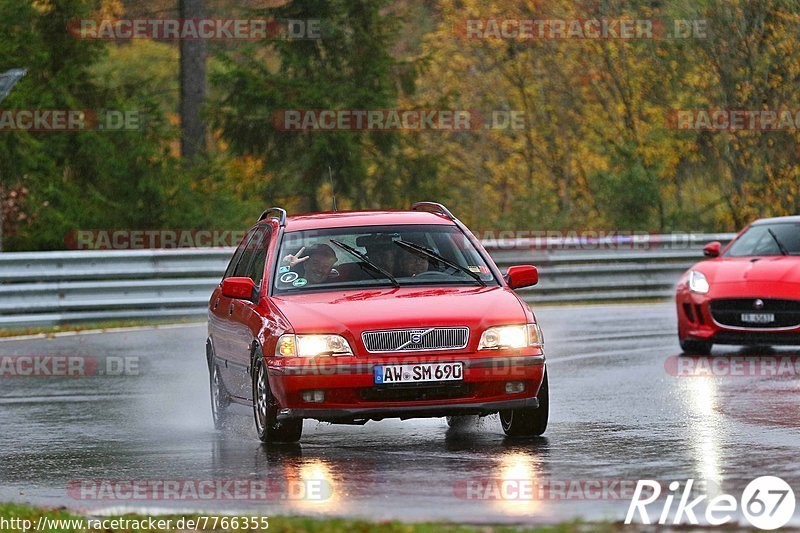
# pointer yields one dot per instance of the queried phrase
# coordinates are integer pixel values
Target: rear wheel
(695, 347)
(265, 409)
(528, 421)
(220, 399)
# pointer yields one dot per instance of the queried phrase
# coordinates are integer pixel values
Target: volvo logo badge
(758, 304)
(416, 338)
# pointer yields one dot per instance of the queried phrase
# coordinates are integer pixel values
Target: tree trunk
(193, 85)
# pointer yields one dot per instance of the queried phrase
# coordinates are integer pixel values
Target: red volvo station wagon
(347, 317)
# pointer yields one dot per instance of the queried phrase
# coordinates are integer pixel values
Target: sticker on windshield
(475, 269)
(300, 282)
(284, 269)
(289, 277)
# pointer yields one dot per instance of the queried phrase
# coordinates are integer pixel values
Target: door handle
(230, 311)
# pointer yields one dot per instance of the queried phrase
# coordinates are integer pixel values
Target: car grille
(417, 339)
(729, 312)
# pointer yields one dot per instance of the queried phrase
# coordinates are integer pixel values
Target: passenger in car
(315, 265)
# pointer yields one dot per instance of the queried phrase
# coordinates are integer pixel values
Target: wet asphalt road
(616, 414)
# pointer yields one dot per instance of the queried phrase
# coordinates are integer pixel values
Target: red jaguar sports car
(347, 317)
(747, 293)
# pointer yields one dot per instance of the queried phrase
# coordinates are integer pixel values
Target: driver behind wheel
(412, 264)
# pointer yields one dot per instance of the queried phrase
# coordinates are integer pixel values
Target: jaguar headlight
(698, 282)
(514, 337)
(312, 345)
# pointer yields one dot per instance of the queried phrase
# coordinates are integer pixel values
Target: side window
(251, 264)
(261, 245)
(237, 255)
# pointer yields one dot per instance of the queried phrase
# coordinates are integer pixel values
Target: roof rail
(433, 207)
(280, 215)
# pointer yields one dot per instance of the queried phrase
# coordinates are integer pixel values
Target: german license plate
(419, 373)
(758, 318)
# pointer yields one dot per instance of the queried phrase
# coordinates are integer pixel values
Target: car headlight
(312, 345)
(698, 282)
(516, 337)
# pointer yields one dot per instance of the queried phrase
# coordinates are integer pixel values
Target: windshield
(379, 256)
(764, 239)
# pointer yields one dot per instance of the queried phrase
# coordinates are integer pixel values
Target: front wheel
(695, 347)
(527, 421)
(265, 409)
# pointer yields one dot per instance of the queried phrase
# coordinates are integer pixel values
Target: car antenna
(333, 190)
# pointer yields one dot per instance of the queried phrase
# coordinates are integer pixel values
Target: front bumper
(350, 392)
(406, 411)
(696, 322)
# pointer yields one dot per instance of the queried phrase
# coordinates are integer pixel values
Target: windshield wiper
(367, 262)
(781, 247)
(436, 257)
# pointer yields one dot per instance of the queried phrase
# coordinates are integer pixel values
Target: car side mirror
(712, 249)
(238, 288)
(519, 277)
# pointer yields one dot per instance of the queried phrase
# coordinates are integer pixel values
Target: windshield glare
(378, 256)
(757, 241)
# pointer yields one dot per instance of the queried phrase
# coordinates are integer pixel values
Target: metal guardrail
(45, 288)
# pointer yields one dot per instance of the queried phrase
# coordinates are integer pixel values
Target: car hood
(752, 269)
(376, 309)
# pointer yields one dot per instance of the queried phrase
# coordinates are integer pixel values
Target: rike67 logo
(767, 503)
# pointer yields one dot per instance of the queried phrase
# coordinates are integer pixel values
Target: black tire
(529, 422)
(265, 411)
(695, 347)
(461, 421)
(220, 399)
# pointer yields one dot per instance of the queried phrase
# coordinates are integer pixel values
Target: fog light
(314, 396)
(515, 387)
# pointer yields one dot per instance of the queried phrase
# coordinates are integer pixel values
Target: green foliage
(596, 149)
(350, 68)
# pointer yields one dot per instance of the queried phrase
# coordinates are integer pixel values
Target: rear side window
(260, 244)
(237, 255)
(254, 255)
